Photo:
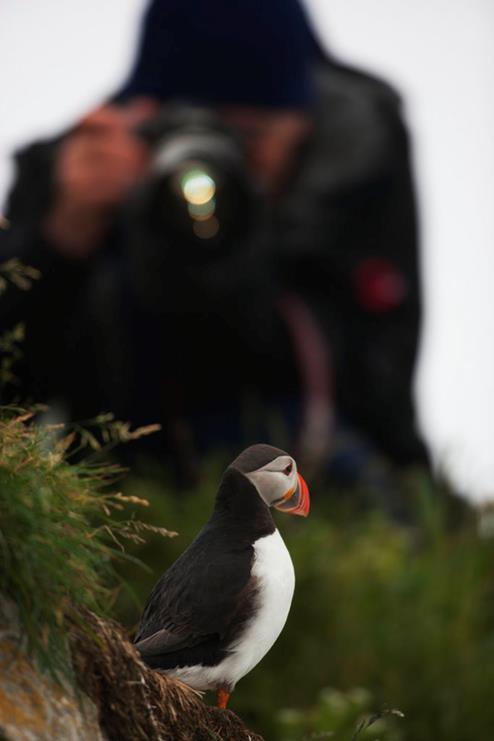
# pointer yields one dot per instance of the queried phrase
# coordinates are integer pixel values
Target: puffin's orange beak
(296, 501)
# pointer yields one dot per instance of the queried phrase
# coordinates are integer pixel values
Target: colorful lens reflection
(202, 211)
(198, 187)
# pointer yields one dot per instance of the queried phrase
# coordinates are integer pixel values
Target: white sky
(59, 57)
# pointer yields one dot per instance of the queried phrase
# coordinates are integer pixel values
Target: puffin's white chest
(275, 576)
(273, 570)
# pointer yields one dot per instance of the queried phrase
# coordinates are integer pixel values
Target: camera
(198, 192)
(197, 206)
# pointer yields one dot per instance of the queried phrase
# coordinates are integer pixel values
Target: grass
(59, 539)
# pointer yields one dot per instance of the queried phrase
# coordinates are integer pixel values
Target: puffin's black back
(205, 598)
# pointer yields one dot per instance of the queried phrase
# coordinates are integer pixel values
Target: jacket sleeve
(21, 238)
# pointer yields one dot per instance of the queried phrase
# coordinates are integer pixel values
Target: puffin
(220, 607)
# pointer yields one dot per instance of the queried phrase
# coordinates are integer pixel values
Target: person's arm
(66, 190)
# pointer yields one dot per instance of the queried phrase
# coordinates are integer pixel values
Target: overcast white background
(60, 57)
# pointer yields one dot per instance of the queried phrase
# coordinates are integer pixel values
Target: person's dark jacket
(345, 225)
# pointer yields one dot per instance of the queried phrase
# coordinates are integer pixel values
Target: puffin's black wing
(200, 603)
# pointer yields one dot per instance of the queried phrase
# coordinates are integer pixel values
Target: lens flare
(206, 229)
(202, 211)
(198, 187)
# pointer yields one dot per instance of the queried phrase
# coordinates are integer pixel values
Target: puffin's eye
(288, 469)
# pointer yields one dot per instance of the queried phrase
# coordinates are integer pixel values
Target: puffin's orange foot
(222, 697)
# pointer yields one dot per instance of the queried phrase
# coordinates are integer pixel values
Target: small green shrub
(339, 715)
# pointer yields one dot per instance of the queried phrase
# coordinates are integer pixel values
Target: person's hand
(97, 165)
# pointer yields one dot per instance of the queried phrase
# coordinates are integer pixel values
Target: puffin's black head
(274, 475)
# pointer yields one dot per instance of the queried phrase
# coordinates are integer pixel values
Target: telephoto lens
(190, 225)
(198, 193)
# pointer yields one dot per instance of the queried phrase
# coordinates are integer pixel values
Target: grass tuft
(59, 539)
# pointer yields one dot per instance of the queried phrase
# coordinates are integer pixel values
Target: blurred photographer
(234, 231)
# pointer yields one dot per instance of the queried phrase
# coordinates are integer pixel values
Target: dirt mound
(136, 703)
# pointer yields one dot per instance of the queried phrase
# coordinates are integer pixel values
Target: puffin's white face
(281, 486)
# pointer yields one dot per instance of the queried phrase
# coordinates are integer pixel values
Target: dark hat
(251, 52)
